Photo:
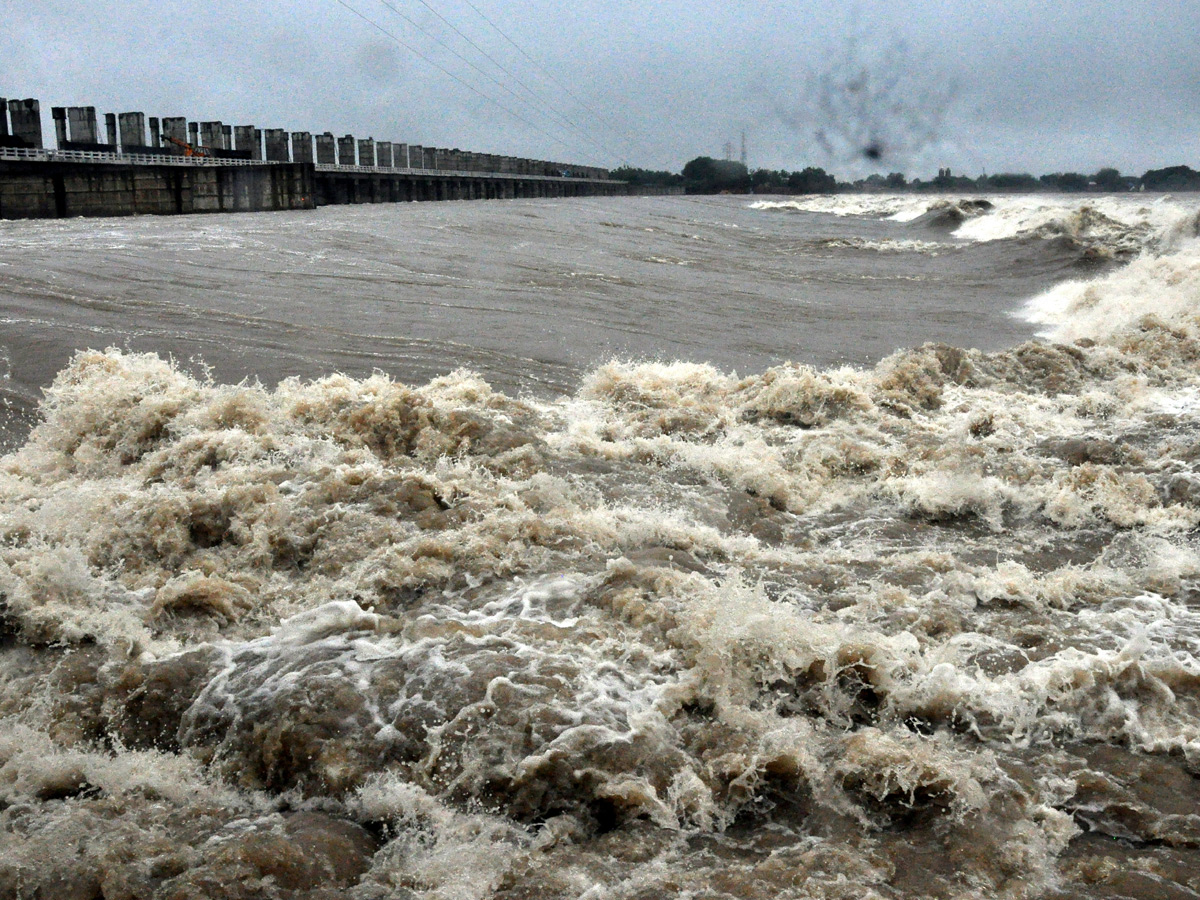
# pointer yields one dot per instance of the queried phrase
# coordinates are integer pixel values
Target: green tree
(812, 181)
(1065, 181)
(764, 181)
(646, 177)
(705, 175)
(1109, 179)
(1172, 178)
(1009, 181)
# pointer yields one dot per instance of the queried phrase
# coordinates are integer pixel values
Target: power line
(617, 131)
(487, 75)
(450, 74)
(514, 77)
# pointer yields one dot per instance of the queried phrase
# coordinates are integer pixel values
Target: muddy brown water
(617, 548)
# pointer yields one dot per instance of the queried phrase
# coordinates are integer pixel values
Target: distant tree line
(1022, 182)
(807, 181)
(646, 177)
(1174, 178)
(705, 175)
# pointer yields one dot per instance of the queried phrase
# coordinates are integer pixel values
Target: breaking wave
(1109, 226)
(844, 632)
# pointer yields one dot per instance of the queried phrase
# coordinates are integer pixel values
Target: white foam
(1166, 287)
(689, 586)
(931, 248)
(1101, 217)
(899, 208)
(1121, 222)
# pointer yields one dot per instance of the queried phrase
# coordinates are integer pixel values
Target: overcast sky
(996, 86)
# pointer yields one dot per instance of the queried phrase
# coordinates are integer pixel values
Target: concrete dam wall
(47, 189)
(149, 165)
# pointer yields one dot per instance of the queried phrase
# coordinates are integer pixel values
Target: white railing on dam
(96, 156)
(168, 159)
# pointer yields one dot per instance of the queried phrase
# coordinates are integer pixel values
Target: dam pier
(135, 165)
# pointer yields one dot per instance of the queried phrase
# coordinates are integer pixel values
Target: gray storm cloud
(973, 85)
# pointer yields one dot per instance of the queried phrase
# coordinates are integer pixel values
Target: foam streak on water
(530, 294)
(925, 628)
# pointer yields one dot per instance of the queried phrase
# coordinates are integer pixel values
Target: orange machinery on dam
(141, 165)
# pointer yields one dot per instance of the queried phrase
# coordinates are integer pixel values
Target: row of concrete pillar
(20, 124)
(78, 128)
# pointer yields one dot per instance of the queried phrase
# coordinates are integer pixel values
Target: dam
(139, 165)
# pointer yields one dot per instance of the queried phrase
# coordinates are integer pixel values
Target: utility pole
(744, 148)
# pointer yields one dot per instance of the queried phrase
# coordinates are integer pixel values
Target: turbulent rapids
(929, 628)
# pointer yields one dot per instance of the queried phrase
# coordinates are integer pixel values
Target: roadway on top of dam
(116, 158)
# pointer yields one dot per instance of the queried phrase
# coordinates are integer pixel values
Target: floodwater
(530, 294)
(609, 548)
